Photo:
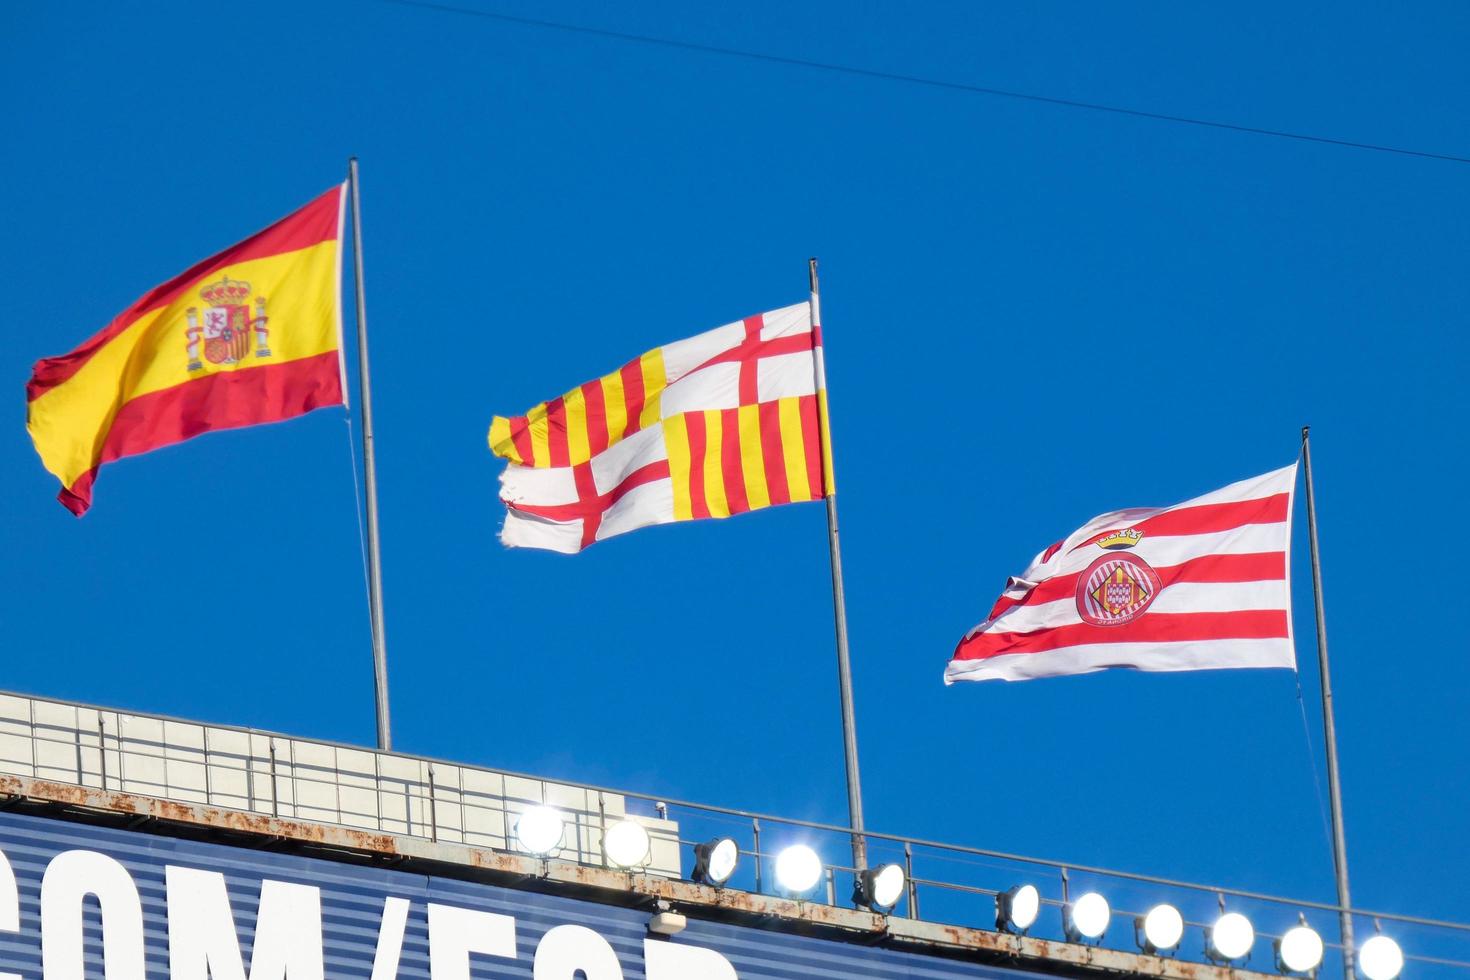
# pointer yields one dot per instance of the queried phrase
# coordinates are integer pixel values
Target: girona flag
(730, 421)
(1197, 586)
(246, 336)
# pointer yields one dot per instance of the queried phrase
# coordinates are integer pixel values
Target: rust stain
(493, 861)
(193, 813)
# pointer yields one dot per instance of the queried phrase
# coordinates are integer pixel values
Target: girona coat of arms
(1118, 587)
(226, 331)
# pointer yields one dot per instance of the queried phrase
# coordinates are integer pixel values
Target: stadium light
(626, 844)
(1016, 910)
(1231, 937)
(539, 829)
(881, 887)
(1086, 918)
(1162, 928)
(1299, 950)
(798, 869)
(714, 861)
(1380, 958)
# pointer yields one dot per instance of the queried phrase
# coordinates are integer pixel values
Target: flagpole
(1339, 841)
(375, 569)
(839, 601)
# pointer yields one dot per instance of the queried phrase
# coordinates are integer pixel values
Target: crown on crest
(226, 292)
(1121, 539)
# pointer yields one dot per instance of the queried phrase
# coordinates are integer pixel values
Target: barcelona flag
(729, 421)
(250, 335)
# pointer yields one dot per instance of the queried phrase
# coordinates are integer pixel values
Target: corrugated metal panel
(352, 905)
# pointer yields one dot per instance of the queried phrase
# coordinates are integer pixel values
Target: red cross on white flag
(722, 423)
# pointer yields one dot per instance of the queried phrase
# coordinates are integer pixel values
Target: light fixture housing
(1380, 958)
(1016, 910)
(1086, 918)
(715, 861)
(1231, 938)
(1162, 928)
(626, 844)
(667, 924)
(1299, 950)
(539, 829)
(881, 887)
(798, 869)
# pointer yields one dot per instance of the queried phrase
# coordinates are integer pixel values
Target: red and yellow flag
(247, 336)
(729, 421)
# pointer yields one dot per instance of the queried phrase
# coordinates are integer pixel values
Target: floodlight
(1380, 958)
(1163, 928)
(714, 861)
(539, 829)
(626, 844)
(798, 869)
(1231, 937)
(1300, 949)
(881, 887)
(1016, 910)
(1086, 918)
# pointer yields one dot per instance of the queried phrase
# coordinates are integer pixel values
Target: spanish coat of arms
(226, 329)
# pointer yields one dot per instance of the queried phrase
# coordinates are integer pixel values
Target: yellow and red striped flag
(730, 421)
(250, 335)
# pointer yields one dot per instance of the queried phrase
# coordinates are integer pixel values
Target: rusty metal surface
(616, 887)
(1072, 954)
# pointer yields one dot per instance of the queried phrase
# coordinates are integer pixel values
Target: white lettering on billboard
(390, 938)
(203, 943)
(9, 905)
(664, 960)
(69, 879)
(566, 950)
(455, 933)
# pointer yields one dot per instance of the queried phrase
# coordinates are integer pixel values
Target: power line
(920, 80)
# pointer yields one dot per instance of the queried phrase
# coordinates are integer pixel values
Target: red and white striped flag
(1201, 585)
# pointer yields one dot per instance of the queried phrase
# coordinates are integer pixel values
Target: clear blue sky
(541, 206)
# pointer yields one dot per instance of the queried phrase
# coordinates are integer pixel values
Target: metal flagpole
(839, 601)
(1339, 841)
(375, 568)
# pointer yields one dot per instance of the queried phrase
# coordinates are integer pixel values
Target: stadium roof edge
(148, 814)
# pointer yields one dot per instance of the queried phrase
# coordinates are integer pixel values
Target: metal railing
(301, 779)
(326, 782)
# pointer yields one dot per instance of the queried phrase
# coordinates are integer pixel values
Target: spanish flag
(250, 335)
(726, 422)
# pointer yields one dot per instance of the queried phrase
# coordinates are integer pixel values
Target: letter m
(203, 943)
